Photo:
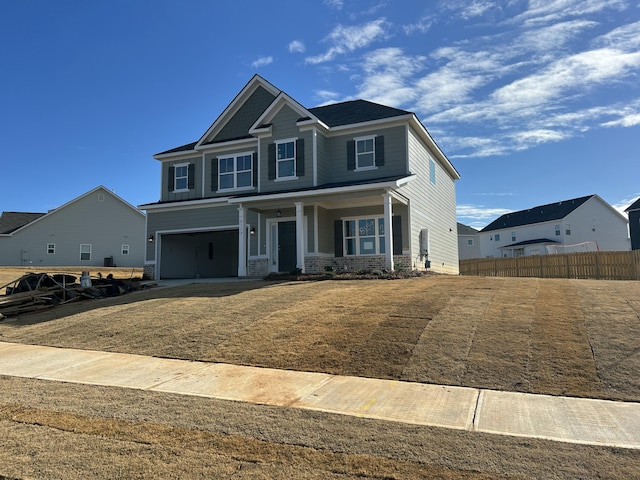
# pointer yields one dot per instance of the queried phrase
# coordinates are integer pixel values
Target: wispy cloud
(347, 39)
(421, 26)
(337, 4)
(624, 203)
(262, 62)
(479, 212)
(296, 46)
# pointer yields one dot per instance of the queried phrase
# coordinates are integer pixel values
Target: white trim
(234, 156)
(295, 155)
(272, 110)
(202, 203)
(314, 156)
(175, 178)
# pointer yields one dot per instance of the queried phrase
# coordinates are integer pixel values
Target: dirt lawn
(559, 337)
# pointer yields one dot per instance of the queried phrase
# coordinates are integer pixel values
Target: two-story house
(579, 224)
(273, 186)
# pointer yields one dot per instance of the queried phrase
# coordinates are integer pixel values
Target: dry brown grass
(569, 337)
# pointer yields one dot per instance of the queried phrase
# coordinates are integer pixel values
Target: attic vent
(101, 197)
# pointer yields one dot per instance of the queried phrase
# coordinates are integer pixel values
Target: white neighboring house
(468, 242)
(580, 224)
(95, 229)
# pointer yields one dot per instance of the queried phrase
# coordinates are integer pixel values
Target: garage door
(199, 255)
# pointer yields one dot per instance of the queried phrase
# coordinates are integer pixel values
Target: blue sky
(532, 101)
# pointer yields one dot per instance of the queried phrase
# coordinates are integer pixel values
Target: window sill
(229, 190)
(285, 179)
(365, 169)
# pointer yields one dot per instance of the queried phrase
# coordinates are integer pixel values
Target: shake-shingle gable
(540, 214)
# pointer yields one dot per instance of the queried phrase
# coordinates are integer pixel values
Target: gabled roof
(41, 216)
(11, 221)
(466, 230)
(539, 214)
(634, 206)
(355, 111)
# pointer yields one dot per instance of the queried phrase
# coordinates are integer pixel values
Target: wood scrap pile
(37, 291)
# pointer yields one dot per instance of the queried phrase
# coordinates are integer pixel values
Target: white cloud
(476, 8)
(422, 26)
(296, 46)
(348, 39)
(546, 11)
(262, 62)
(629, 120)
(337, 4)
(479, 212)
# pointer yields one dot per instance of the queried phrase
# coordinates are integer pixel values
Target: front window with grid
(181, 180)
(364, 236)
(286, 159)
(125, 249)
(51, 248)
(235, 172)
(365, 152)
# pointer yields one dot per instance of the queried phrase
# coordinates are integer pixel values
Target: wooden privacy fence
(597, 265)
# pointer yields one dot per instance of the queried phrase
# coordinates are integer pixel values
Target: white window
(364, 236)
(235, 172)
(432, 171)
(85, 252)
(365, 152)
(125, 249)
(286, 158)
(557, 230)
(181, 179)
(567, 229)
(51, 248)
(496, 237)
(470, 242)
(513, 236)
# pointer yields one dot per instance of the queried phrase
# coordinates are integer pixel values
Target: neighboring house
(580, 224)
(273, 186)
(468, 242)
(95, 229)
(633, 211)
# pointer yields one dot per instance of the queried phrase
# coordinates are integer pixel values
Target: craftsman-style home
(273, 186)
(97, 228)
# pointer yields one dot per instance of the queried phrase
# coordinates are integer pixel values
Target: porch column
(388, 232)
(242, 242)
(299, 236)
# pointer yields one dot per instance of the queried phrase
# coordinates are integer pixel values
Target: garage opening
(199, 255)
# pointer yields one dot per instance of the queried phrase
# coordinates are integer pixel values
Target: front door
(287, 257)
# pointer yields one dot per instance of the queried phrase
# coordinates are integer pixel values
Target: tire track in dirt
(561, 360)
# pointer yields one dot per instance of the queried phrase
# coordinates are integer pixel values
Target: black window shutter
(254, 162)
(396, 223)
(214, 174)
(272, 161)
(300, 157)
(191, 179)
(171, 178)
(379, 151)
(337, 238)
(351, 155)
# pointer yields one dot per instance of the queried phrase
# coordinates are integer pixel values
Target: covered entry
(212, 254)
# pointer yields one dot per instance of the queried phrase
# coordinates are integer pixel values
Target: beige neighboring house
(468, 242)
(273, 186)
(95, 229)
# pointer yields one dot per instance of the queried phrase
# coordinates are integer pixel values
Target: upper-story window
(432, 171)
(181, 179)
(557, 230)
(365, 153)
(235, 171)
(286, 158)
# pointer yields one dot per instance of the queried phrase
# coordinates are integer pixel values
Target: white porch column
(388, 232)
(299, 236)
(242, 242)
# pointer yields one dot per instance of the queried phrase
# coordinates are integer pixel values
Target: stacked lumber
(37, 291)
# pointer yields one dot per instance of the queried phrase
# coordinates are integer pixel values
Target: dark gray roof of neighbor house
(11, 221)
(466, 229)
(539, 214)
(634, 206)
(530, 242)
(182, 148)
(355, 111)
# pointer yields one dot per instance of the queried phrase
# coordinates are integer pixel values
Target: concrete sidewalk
(565, 419)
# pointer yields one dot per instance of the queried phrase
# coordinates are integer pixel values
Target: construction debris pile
(36, 291)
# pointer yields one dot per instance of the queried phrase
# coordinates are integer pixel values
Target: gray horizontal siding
(247, 114)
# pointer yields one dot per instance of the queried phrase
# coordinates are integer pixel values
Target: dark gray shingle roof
(466, 229)
(355, 111)
(11, 221)
(542, 213)
(634, 206)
